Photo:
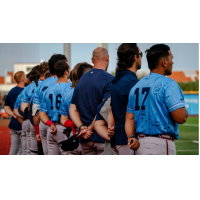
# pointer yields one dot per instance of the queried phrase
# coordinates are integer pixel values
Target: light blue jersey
(51, 100)
(65, 103)
(19, 100)
(29, 91)
(37, 98)
(151, 101)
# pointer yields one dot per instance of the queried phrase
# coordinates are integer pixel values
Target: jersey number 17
(144, 90)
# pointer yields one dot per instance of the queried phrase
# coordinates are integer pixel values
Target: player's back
(90, 92)
(148, 98)
(43, 86)
(51, 100)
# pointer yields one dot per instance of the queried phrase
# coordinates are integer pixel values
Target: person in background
(14, 125)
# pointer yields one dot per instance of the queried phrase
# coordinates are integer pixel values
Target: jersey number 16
(58, 101)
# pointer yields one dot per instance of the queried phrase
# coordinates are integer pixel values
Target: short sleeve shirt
(151, 101)
(52, 98)
(93, 87)
(37, 98)
(65, 103)
(10, 101)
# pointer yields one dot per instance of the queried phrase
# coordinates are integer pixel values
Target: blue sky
(186, 55)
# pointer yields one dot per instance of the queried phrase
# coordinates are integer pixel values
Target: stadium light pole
(104, 45)
(67, 52)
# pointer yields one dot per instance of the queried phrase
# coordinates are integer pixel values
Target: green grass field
(188, 142)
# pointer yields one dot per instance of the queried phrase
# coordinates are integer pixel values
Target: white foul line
(187, 150)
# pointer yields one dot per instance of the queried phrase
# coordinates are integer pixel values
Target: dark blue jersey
(93, 87)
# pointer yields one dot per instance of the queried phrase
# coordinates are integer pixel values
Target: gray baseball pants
(155, 146)
(26, 143)
(92, 148)
(15, 142)
(43, 135)
(122, 150)
(54, 147)
(34, 147)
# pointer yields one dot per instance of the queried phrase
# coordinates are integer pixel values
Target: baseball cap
(70, 144)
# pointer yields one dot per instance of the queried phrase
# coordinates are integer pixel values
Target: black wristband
(80, 127)
(134, 136)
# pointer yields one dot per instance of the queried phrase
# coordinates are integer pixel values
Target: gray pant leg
(20, 146)
(23, 138)
(107, 149)
(34, 147)
(155, 146)
(15, 142)
(53, 147)
(99, 148)
(43, 135)
(124, 150)
(28, 137)
(92, 148)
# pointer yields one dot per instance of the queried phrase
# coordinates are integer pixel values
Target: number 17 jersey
(151, 101)
(51, 99)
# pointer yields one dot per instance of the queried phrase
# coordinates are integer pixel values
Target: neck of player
(63, 79)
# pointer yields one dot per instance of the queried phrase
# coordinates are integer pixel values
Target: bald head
(100, 53)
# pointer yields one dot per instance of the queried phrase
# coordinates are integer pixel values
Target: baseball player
(129, 61)
(41, 128)
(156, 107)
(65, 119)
(14, 125)
(90, 91)
(50, 106)
(36, 76)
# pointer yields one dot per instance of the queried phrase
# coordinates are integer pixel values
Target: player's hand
(38, 138)
(53, 129)
(135, 145)
(86, 133)
(111, 131)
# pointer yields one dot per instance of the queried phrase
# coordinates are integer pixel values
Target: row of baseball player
(80, 116)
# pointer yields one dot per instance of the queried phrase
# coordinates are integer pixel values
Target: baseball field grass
(188, 143)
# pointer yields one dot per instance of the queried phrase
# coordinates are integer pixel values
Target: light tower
(104, 45)
(67, 52)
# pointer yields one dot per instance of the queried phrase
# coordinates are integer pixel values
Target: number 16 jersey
(151, 101)
(51, 99)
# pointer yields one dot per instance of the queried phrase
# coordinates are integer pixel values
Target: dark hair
(34, 74)
(28, 75)
(43, 67)
(155, 53)
(54, 58)
(126, 53)
(82, 69)
(60, 67)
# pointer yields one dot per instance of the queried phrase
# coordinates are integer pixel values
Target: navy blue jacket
(121, 86)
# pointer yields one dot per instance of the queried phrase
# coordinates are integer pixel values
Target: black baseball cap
(70, 144)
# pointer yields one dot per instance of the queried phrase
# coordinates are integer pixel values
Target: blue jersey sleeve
(131, 100)
(43, 106)
(18, 101)
(28, 92)
(36, 99)
(173, 97)
(64, 110)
